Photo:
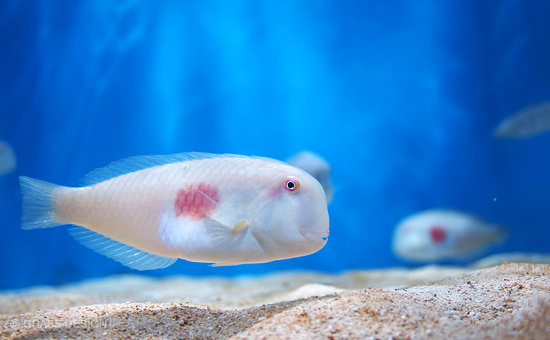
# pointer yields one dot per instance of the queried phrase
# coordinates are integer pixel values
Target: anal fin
(127, 255)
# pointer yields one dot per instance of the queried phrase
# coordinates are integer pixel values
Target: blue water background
(401, 97)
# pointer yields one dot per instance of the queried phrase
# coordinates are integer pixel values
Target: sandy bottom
(508, 301)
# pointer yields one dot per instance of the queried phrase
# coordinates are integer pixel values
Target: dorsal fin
(136, 163)
(120, 252)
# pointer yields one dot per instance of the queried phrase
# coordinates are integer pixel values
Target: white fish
(316, 166)
(8, 161)
(147, 211)
(528, 122)
(443, 234)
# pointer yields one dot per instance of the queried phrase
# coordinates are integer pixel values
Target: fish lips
(310, 234)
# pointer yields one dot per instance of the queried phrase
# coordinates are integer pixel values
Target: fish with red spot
(435, 235)
(147, 211)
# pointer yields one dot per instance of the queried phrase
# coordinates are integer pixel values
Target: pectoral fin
(239, 227)
(237, 231)
(223, 233)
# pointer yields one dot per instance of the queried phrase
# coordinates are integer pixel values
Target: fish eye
(292, 184)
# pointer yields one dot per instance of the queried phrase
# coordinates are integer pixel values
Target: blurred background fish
(435, 235)
(317, 167)
(8, 162)
(528, 122)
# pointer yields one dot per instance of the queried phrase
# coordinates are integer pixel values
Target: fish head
(290, 214)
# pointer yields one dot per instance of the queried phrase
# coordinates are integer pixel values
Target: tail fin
(38, 208)
(501, 235)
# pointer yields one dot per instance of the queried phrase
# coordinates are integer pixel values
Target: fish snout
(311, 233)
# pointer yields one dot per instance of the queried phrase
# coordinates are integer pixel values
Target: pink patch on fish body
(196, 202)
(275, 191)
(438, 234)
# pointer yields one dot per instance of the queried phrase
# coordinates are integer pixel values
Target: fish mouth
(308, 234)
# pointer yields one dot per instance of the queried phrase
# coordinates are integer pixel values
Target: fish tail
(501, 235)
(38, 204)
